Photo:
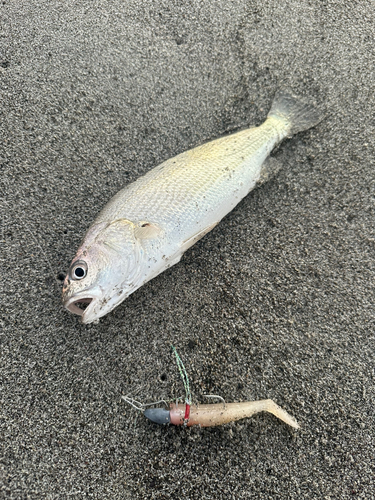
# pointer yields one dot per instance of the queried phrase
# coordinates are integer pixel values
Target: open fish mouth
(79, 306)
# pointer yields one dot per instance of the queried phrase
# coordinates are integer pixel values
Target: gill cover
(129, 241)
(112, 255)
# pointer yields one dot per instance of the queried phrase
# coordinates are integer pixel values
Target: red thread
(187, 412)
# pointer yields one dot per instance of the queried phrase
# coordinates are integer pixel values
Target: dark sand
(277, 302)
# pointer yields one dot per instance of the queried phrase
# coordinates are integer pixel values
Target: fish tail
(298, 113)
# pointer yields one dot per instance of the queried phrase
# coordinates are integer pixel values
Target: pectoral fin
(193, 239)
(144, 230)
(175, 258)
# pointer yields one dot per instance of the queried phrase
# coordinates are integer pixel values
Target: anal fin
(270, 167)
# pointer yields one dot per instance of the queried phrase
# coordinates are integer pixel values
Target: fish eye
(78, 270)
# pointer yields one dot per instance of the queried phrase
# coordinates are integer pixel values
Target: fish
(148, 225)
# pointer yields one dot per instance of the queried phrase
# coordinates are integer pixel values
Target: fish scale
(198, 184)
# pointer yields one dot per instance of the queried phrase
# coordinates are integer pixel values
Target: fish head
(111, 263)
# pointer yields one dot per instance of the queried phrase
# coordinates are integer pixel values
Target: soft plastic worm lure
(210, 415)
(207, 415)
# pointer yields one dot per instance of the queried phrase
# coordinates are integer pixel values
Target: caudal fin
(299, 113)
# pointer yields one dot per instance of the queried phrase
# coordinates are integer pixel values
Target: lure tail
(298, 113)
(271, 407)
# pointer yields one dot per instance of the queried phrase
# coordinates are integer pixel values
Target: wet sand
(276, 302)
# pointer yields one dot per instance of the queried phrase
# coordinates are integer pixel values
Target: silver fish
(147, 226)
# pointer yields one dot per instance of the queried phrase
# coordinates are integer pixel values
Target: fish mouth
(81, 306)
(78, 306)
(94, 304)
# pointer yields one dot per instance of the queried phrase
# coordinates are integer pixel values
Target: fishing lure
(211, 415)
(207, 415)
